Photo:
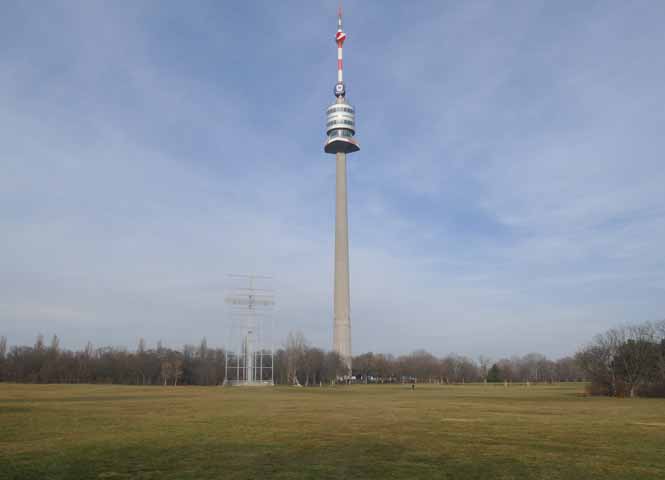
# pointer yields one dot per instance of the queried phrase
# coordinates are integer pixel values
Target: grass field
(387, 432)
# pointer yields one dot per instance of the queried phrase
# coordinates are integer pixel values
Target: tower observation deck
(340, 133)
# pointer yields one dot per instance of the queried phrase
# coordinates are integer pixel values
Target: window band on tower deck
(340, 132)
(340, 109)
(341, 122)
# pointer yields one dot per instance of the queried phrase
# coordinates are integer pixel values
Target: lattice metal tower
(249, 354)
(341, 130)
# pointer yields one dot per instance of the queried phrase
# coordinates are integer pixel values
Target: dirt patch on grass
(651, 424)
(463, 420)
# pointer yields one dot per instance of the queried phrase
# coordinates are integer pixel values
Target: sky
(509, 195)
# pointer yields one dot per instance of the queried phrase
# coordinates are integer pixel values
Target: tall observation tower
(340, 130)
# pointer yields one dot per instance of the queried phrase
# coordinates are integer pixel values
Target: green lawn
(450, 432)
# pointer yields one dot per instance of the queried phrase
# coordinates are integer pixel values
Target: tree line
(626, 361)
(42, 363)
(295, 363)
(423, 367)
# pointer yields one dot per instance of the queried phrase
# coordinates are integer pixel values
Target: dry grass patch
(383, 431)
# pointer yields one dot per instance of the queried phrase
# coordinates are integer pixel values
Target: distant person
(413, 386)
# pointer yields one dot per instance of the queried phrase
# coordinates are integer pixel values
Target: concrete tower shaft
(342, 296)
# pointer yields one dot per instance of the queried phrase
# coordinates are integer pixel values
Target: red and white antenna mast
(340, 36)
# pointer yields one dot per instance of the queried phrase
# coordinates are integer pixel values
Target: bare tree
(281, 372)
(447, 369)
(295, 350)
(385, 367)
(484, 365)
(313, 360)
(55, 344)
(176, 370)
(140, 360)
(597, 361)
(468, 370)
(203, 348)
(364, 364)
(166, 371)
(508, 369)
(334, 367)
(608, 348)
(637, 355)
(203, 364)
(3, 354)
(659, 328)
(39, 343)
(619, 359)
(567, 370)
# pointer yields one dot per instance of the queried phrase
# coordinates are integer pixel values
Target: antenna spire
(340, 36)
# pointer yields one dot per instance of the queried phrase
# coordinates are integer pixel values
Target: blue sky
(508, 196)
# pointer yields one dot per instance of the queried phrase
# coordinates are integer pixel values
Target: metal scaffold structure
(250, 352)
